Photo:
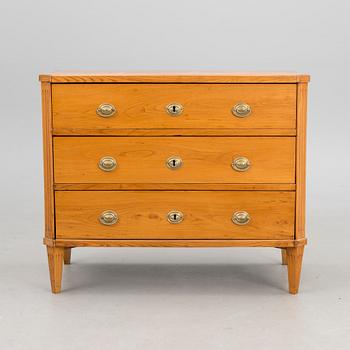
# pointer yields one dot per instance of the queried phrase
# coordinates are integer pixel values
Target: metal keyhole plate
(175, 217)
(174, 109)
(174, 162)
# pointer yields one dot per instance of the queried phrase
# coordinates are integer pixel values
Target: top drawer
(172, 106)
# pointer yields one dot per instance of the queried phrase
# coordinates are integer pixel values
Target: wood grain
(294, 262)
(143, 106)
(173, 132)
(205, 159)
(284, 256)
(301, 161)
(55, 258)
(174, 187)
(174, 243)
(67, 255)
(174, 77)
(49, 205)
(143, 215)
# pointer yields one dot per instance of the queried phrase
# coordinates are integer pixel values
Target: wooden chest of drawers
(174, 160)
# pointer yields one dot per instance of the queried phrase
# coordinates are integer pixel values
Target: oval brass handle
(106, 110)
(240, 218)
(174, 162)
(174, 109)
(241, 164)
(108, 218)
(241, 110)
(175, 217)
(107, 163)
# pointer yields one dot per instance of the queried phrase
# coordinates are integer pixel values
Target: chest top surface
(174, 77)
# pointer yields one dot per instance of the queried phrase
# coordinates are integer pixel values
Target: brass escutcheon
(241, 110)
(240, 218)
(175, 217)
(106, 110)
(174, 162)
(107, 163)
(174, 109)
(108, 217)
(240, 164)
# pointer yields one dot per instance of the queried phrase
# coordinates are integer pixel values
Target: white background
(174, 299)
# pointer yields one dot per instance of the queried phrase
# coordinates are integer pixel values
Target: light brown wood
(174, 187)
(143, 106)
(294, 261)
(67, 255)
(205, 160)
(55, 258)
(48, 161)
(174, 77)
(141, 136)
(174, 132)
(143, 214)
(174, 243)
(284, 256)
(301, 161)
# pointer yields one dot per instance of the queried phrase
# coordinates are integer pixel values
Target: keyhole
(174, 109)
(174, 217)
(174, 163)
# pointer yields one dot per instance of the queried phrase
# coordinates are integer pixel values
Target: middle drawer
(174, 159)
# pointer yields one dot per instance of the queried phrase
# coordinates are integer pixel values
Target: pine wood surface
(173, 187)
(175, 243)
(294, 261)
(49, 205)
(67, 255)
(143, 215)
(172, 132)
(143, 106)
(301, 161)
(207, 136)
(205, 159)
(55, 259)
(174, 77)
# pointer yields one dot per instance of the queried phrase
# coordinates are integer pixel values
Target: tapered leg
(294, 261)
(55, 257)
(67, 255)
(284, 256)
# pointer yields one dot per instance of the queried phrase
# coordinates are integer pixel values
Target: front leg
(294, 261)
(55, 258)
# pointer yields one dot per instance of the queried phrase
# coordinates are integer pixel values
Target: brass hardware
(175, 217)
(107, 163)
(240, 218)
(108, 218)
(174, 109)
(241, 164)
(174, 162)
(241, 110)
(106, 110)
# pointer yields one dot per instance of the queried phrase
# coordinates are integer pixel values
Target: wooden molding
(172, 187)
(173, 132)
(174, 243)
(172, 77)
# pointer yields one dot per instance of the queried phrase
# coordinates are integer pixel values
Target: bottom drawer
(175, 214)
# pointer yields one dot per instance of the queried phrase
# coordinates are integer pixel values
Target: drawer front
(174, 159)
(199, 106)
(157, 215)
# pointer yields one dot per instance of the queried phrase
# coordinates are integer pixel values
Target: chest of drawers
(174, 160)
